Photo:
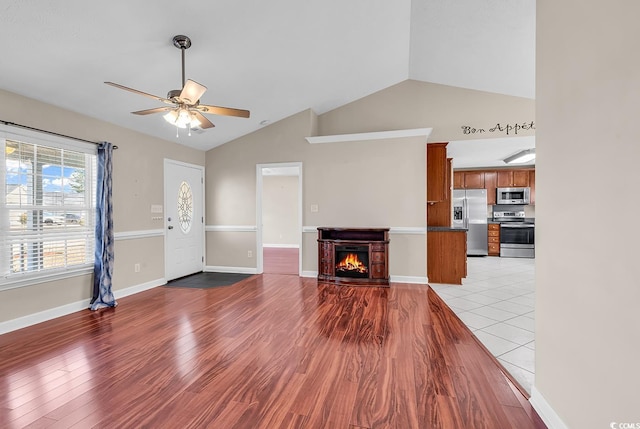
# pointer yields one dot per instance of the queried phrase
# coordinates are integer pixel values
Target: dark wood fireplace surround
(376, 241)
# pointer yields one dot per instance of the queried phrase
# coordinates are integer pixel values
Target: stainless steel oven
(517, 236)
(517, 240)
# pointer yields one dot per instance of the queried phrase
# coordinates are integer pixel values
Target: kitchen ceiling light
(521, 157)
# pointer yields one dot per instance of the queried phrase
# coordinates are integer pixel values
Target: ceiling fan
(184, 109)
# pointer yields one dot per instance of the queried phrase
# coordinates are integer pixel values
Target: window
(48, 203)
(185, 207)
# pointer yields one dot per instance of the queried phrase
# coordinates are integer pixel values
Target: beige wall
(366, 183)
(137, 184)
(587, 280)
(229, 249)
(414, 104)
(280, 210)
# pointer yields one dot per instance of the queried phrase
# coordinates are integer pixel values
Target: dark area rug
(208, 280)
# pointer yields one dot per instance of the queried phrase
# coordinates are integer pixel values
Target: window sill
(22, 280)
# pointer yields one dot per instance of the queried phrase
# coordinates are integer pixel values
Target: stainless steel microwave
(513, 196)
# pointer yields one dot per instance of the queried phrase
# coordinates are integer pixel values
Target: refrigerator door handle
(465, 209)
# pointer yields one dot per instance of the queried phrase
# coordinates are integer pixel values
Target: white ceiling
(274, 58)
(488, 152)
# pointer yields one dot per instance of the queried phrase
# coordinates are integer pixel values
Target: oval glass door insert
(185, 207)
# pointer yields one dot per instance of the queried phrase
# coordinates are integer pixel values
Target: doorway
(184, 219)
(279, 218)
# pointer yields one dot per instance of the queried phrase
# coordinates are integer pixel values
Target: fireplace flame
(351, 263)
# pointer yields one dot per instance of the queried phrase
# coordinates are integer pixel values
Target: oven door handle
(517, 226)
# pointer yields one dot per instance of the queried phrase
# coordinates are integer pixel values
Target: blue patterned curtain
(103, 266)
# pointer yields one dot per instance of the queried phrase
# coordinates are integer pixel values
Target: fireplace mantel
(371, 243)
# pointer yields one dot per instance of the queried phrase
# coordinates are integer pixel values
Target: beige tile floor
(496, 301)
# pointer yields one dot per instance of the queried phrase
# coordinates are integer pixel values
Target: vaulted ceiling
(274, 58)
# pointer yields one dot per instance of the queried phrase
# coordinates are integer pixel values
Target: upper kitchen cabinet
(474, 180)
(468, 180)
(458, 180)
(437, 183)
(490, 184)
(513, 178)
(532, 185)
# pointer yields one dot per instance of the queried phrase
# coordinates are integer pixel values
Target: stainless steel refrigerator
(470, 211)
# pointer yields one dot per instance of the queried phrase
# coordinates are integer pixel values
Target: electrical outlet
(314, 208)
(136, 268)
(249, 254)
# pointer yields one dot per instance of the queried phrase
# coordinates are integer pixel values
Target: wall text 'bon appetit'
(507, 129)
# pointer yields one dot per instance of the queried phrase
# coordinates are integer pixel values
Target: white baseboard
(544, 410)
(409, 279)
(237, 270)
(132, 290)
(312, 274)
(282, 246)
(43, 316)
(63, 310)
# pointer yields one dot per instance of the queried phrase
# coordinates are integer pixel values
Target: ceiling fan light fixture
(182, 118)
(171, 117)
(194, 121)
(186, 110)
(521, 157)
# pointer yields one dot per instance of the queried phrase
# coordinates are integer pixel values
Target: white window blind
(48, 205)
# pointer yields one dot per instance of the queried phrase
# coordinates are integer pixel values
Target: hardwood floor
(280, 260)
(273, 351)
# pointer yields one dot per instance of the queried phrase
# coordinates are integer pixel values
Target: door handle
(170, 227)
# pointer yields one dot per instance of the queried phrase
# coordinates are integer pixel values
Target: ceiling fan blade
(192, 92)
(204, 122)
(224, 111)
(135, 91)
(156, 110)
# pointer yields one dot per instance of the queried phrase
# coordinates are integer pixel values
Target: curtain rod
(13, 124)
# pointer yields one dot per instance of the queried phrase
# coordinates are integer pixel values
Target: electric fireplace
(357, 256)
(352, 261)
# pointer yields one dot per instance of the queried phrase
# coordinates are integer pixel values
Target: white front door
(184, 219)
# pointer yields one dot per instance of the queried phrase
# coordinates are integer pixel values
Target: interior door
(184, 219)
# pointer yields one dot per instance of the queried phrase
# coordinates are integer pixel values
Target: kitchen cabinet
(520, 178)
(490, 184)
(458, 180)
(468, 180)
(436, 172)
(439, 213)
(474, 180)
(532, 185)
(493, 233)
(513, 178)
(446, 256)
